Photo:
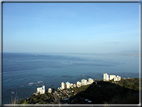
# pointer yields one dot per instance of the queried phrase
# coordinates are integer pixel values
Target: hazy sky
(70, 27)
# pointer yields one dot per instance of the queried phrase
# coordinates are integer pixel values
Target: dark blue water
(23, 73)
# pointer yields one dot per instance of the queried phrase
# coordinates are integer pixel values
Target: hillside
(125, 91)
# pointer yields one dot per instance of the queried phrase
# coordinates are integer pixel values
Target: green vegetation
(125, 91)
(41, 99)
(80, 89)
(132, 83)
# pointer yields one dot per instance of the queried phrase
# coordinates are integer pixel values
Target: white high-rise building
(118, 78)
(78, 84)
(41, 90)
(74, 85)
(67, 84)
(49, 90)
(71, 85)
(112, 77)
(63, 85)
(106, 77)
(83, 82)
(91, 80)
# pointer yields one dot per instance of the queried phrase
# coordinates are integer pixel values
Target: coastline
(78, 92)
(20, 66)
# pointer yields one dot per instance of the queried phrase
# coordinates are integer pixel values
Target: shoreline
(6, 102)
(64, 99)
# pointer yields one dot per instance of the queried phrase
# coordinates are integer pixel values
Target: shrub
(25, 102)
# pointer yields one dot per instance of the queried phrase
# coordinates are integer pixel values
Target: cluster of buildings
(106, 77)
(68, 85)
(41, 90)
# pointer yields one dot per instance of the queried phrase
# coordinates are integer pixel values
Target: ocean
(23, 72)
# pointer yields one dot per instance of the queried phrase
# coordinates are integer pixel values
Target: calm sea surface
(23, 73)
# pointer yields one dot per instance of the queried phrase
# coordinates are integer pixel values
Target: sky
(71, 27)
